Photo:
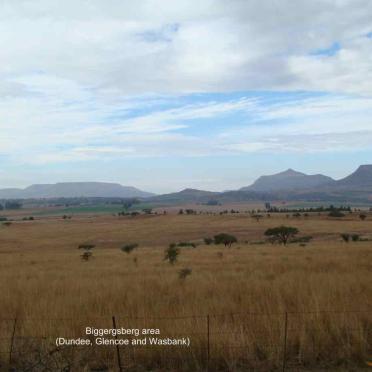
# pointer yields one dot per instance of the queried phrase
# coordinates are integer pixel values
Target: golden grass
(42, 277)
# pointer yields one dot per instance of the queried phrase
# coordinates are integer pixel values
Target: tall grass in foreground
(246, 292)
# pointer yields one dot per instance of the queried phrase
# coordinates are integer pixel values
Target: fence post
(208, 341)
(117, 346)
(12, 341)
(285, 342)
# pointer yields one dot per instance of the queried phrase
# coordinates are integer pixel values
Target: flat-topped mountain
(74, 190)
(288, 180)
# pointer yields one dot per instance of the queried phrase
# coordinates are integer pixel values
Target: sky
(168, 94)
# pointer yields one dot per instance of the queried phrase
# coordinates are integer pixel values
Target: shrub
(302, 239)
(186, 244)
(184, 273)
(208, 241)
(128, 248)
(355, 237)
(86, 256)
(345, 237)
(7, 223)
(362, 216)
(336, 213)
(257, 217)
(281, 234)
(86, 246)
(171, 254)
(225, 239)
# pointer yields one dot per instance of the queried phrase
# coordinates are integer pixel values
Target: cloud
(106, 80)
(185, 46)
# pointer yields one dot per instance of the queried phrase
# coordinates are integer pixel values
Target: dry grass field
(325, 287)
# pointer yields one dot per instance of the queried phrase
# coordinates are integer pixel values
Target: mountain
(74, 189)
(361, 179)
(185, 196)
(288, 180)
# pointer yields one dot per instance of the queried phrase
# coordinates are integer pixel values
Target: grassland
(43, 277)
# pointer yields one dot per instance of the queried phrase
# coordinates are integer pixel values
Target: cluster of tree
(187, 211)
(11, 204)
(223, 238)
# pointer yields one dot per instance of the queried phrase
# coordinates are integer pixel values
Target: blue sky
(164, 95)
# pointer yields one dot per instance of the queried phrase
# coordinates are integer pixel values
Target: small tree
(171, 254)
(87, 254)
(281, 234)
(362, 216)
(225, 239)
(128, 248)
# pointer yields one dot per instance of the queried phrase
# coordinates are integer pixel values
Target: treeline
(10, 204)
(330, 208)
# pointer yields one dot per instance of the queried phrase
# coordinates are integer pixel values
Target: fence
(233, 342)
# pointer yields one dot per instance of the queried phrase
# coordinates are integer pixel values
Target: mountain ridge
(74, 189)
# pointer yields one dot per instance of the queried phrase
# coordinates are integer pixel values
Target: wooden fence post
(12, 341)
(285, 342)
(208, 341)
(117, 346)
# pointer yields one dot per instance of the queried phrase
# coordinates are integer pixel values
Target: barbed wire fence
(232, 341)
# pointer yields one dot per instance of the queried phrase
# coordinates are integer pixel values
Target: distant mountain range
(74, 190)
(287, 185)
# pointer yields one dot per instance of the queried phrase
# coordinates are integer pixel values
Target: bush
(345, 237)
(186, 244)
(225, 239)
(281, 234)
(362, 216)
(336, 213)
(128, 248)
(171, 254)
(184, 273)
(355, 237)
(302, 239)
(86, 246)
(7, 223)
(208, 241)
(86, 256)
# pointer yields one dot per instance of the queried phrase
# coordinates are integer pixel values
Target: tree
(225, 239)
(171, 254)
(87, 254)
(362, 216)
(281, 234)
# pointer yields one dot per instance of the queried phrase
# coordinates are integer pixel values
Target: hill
(361, 179)
(288, 180)
(74, 190)
(185, 196)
